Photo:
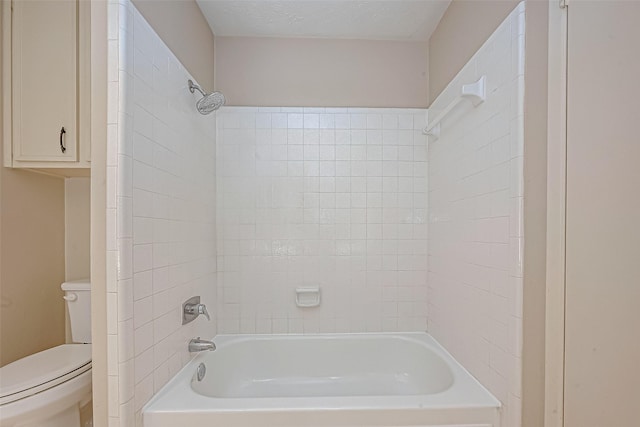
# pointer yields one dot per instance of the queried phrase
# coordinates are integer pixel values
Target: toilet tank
(77, 295)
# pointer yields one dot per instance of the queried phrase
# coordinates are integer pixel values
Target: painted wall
(184, 29)
(326, 197)
(31, 262)
(476, 233)
(320, 72)
(603, 207)
(77, 227)
(100, 31)
(464, 27)
(535, 211)
(160, 214)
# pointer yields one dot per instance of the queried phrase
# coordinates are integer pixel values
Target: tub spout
(196, 345)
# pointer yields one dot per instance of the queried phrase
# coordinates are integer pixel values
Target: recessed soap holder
(307, 297)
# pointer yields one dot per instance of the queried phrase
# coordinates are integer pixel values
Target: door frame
(556, 214)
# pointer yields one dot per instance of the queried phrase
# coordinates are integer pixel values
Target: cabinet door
(44, 72)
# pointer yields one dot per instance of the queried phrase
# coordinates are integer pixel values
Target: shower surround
(328, 197)
(476, 236)
(160, 214)
(262, 200)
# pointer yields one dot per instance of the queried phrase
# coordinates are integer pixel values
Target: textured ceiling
(335, 19)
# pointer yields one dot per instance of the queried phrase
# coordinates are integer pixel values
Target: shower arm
(193, 86)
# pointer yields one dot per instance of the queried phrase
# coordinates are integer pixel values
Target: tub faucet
(196, 345)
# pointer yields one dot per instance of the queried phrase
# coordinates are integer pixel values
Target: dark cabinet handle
(62, 132)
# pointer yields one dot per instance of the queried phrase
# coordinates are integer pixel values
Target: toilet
(47, 389)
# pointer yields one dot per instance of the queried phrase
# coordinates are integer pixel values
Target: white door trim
(556, 216)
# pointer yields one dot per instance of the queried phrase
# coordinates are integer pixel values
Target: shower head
(209, 102)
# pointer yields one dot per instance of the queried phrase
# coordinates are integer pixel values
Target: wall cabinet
(48, 76)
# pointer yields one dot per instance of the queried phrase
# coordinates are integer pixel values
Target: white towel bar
(474, 92)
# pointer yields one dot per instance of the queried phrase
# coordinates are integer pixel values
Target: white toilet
(47, 389)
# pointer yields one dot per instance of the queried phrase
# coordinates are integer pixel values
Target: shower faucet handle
(192, 308)
(202, 309)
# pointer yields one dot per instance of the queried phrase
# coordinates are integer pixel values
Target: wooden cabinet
(49, 80)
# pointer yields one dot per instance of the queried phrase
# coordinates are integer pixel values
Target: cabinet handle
(62, 147)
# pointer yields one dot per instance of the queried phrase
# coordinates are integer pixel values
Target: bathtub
(403, 379)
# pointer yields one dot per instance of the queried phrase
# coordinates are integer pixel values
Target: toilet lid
(41, 371)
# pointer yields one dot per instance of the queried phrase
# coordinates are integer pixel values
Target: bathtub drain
(201, 371)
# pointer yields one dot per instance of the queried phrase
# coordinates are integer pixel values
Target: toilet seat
(42, 371)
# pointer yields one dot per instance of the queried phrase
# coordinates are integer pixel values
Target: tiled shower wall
(160, 217)
(326, 197)
(475, 219)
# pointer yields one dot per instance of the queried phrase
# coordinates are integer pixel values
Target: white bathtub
(324, 380)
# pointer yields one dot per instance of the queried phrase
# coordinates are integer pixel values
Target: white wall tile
(315, 200)
(162, 192)
(475, 220)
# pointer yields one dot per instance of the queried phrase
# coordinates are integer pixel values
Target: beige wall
(603, 208)
(77, 228)
(32, 317)
(321, 72)
(183, 27)
(31, 262)
(465, 26)
(535, 212)
(99, 37)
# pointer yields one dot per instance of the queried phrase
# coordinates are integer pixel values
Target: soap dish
(307, 297)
